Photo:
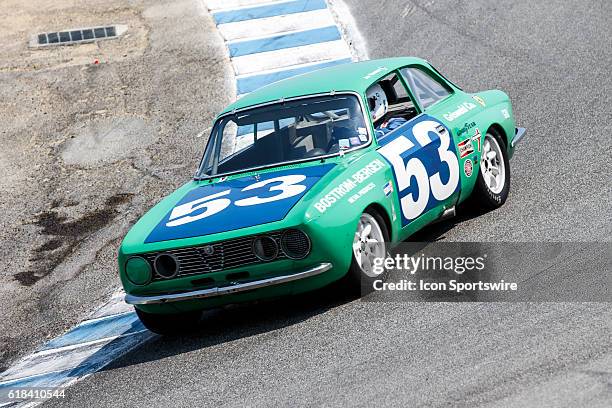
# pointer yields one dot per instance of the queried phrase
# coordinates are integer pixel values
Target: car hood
(203, 208)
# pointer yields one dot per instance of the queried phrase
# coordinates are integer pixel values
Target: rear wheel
(369, 243)
(493, 182)
(166, 324)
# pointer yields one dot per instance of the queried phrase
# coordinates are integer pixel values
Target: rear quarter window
(427, 90)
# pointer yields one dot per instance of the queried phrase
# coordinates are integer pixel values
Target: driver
(379, 106)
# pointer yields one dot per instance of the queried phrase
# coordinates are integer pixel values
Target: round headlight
(138, 270)
(265, 248)
(295, 244)
(166, 265)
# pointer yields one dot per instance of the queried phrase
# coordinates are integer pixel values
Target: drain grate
(77, 35)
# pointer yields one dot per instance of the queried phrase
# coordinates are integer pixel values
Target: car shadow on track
(235, 322)
(436, 231)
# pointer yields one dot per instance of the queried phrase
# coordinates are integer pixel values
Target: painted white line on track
(288, 39)
(216, 5)
(264, 10)
(63, 358)
(108, 333)
(285, 58)
(114, 306)
(274, 25)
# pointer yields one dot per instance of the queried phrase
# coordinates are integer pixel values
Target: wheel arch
(382, 211)
(499, 130)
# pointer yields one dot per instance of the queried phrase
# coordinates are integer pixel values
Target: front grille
(224, 255)
(295, 244)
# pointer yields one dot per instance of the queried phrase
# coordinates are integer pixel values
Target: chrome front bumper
(519, 133)
(227, 290)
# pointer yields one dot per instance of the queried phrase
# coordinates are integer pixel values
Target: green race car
(306, 181)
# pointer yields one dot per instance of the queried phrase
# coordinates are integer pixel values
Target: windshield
(283, 133)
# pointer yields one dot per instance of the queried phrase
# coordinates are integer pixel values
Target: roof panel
(355, 76)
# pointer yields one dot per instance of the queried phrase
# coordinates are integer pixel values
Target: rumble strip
(269, 41)
(111, 331)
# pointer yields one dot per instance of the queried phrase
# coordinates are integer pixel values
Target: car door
(425, 168)
(459, 111)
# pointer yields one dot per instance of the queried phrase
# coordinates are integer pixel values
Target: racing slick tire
(371, 229)
(168, 324)
(493, 180)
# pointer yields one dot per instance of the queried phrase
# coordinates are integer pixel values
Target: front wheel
(369, 243)
(493, 182)
(167, 324)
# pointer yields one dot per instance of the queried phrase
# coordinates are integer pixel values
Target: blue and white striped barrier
(267, 41)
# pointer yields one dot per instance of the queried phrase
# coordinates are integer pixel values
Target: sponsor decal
(349, 185)
(388, 188)
(505, 113)
(460, 111)
(222, 179)
(465, 128)
(424, 163)
(354, 141)
(468, 168)
(363, 134)
(344, 144)
(476, 138)
(238, 203)
(361, 193)
(465, 148)
(479, 100)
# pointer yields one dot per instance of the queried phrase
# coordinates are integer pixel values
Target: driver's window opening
(390, 105)
(276, 134)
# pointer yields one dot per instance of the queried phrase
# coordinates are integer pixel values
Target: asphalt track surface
(553, 59)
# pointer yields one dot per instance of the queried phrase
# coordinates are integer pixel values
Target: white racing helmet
(377, 102)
